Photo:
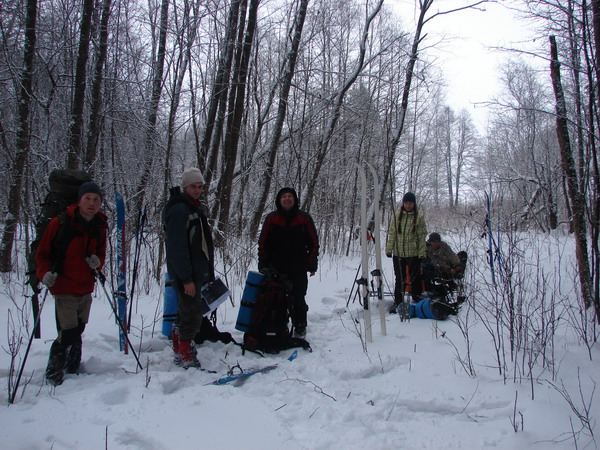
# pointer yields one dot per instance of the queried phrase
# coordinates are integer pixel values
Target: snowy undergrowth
(488, 377)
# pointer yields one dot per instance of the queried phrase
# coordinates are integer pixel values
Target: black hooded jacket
(288, 240)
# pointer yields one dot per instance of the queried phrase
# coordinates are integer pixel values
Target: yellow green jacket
(406, 237)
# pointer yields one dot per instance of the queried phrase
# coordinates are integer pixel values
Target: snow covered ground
(409, 389)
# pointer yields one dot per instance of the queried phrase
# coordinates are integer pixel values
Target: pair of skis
(377, 274)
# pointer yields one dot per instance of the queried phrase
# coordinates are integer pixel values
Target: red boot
(187, 351)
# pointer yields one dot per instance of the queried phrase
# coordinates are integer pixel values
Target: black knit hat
(409, 197)
(435, 237)
(90, 187)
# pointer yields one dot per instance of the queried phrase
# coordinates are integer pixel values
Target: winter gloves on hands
(49, 278)
(93, 261)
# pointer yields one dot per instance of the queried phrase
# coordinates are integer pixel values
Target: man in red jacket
(289, 245)
(72, 248)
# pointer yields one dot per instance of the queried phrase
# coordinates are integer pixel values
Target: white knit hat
(190, 176)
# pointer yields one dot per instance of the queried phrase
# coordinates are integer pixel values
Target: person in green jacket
(406, 245)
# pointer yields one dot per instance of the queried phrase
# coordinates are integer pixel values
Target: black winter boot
(55, 370)
(71, 339)
(73, 358)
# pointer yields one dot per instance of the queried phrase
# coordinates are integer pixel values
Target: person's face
(194, 190)
(89, 205)
(435, 244)
(287, 201)
(409, 206)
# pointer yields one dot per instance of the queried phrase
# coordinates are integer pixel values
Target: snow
(408, 389)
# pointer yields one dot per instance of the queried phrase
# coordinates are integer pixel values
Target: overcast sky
(466, 55)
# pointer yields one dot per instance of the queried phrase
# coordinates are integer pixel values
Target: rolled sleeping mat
(244, 318)
(170, 307)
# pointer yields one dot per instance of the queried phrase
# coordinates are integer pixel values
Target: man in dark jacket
(71, 249)
(190, 262)
(289, 244)
(446, 263)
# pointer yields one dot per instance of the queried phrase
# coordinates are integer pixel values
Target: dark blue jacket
(190, 251)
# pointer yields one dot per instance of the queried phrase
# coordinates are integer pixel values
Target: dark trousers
(300, 285)
(408, 277)
(189, 316)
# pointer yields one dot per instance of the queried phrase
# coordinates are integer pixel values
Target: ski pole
(33, 334)
(101, 278)
(353, 283)
(141, 221)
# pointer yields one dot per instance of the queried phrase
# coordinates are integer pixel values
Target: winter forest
(262, 94)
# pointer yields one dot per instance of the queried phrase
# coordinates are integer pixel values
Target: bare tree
(23, 135)
(232, 135)
(286, 83)
(338, 100)
(575, 196)
(152, 107)
(96, 96)
(76, 124)
(216, 109)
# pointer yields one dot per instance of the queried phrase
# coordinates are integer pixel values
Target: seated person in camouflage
(447, 264)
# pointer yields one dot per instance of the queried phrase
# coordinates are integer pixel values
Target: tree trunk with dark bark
(157, 83)
(232, 135)
(218, 98)
(96, 100)
(286, 84)
(18, 169)
(76, 125)
(576, 197)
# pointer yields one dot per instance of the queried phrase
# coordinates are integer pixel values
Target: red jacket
(80, 239)
(288, 242)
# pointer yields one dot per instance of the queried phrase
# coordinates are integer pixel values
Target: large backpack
(269, 331)
(64, 191)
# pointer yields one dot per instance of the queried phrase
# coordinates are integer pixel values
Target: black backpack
(269, 331)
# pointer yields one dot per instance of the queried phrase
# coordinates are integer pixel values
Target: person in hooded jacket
(72, 249)
(289, 245)
(190, 262)
(446, 263)
(406, 245)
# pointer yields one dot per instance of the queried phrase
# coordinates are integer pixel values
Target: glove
(389, 255)
(49, 278)
(93, 261)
